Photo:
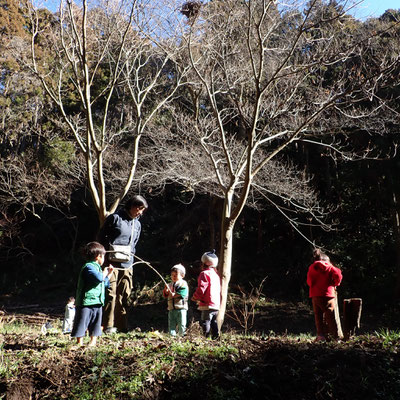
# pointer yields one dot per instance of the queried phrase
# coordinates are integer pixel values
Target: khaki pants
(117, 295)
(326, 316)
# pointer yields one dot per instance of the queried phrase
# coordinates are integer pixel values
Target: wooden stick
(141, 261)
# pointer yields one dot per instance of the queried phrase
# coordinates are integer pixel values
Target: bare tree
(111, 68)
(274, 74)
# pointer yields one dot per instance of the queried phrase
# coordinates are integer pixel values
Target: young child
(208, 294)
(177, 293)
(90, 294)
(322, 278)
(69, 316)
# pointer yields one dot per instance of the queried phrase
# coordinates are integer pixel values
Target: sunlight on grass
(10, 363)
(389, 337)
(133, 365)
(388, 334)
(18, 327)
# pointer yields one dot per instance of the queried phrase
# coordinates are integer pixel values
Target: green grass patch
(151, 365)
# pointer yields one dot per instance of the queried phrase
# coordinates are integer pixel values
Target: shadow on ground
(279, 317)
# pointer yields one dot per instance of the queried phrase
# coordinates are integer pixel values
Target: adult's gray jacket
(117, 229)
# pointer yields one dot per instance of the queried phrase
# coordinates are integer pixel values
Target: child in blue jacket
(90, 294)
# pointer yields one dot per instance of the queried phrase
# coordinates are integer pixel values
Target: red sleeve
(336, 275)
(202, 285)
(309, 276)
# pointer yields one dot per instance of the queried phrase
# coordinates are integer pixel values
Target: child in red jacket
(208, 294)
(322, 278)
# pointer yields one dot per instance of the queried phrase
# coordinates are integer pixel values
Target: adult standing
(322, 278)
(121, 228)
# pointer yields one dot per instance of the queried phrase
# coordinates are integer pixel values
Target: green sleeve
(182, 290)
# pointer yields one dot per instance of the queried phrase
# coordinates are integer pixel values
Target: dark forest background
(43, 259)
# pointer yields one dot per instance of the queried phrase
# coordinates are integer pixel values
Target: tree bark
(225, 266)
(351, 316)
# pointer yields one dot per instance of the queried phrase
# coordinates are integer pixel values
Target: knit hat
(180, 268)
(210, 259)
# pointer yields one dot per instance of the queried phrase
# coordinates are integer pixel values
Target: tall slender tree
(108, 79)
(275, 74)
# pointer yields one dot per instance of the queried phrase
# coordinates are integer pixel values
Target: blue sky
(375, 8)
(369, 8)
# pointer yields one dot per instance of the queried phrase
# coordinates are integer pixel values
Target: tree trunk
(225, 266)
(351, 316)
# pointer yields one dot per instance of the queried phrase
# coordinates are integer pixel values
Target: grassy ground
(146, 363)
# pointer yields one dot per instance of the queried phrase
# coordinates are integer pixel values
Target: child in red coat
(322, 278)
(208, 294)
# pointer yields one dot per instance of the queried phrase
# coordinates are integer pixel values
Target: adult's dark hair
(136, 201)
(92, 250)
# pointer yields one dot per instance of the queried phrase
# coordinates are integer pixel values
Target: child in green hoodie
(90, 294)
